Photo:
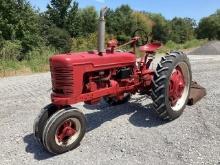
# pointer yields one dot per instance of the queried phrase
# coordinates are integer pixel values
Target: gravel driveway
(126, 134)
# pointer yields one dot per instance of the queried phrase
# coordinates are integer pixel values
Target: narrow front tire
(64, 131)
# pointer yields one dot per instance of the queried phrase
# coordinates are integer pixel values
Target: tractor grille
(62, 79)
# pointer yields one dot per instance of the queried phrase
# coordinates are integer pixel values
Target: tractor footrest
(196, 94)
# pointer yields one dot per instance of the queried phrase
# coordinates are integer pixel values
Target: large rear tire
(171, 85)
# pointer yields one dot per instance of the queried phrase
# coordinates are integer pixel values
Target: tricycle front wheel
(64, 130)
(42, 119)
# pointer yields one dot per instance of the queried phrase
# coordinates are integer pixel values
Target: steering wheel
(143, 37)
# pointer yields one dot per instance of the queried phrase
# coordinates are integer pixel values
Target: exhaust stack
(101, 31)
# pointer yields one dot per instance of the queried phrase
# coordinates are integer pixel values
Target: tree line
(64, 27)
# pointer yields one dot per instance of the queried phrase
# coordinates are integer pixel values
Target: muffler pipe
(101, 31)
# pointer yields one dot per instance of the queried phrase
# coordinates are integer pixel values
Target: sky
(195, 9)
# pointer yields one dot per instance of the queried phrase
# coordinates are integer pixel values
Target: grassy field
(170, 45)
(37, 60)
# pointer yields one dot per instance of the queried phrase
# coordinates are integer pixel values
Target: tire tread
(159, 81)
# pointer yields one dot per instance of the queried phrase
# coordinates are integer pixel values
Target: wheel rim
(68, 132)
(179, 86)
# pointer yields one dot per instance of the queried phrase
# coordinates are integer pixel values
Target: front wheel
(171, 85)
(41, 120)
(64, 131)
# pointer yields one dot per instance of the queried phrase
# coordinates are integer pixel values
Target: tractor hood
(92, 58)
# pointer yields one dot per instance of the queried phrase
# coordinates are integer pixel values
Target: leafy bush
(59, 38)
(161, 27)
(39, 59)
(84, 44)
(10, 50)
(193, 43)
(209, 27)
(123, 39)
(170, 45)
(182, 29)
(19, 21)
(142, 21)
(87, 43)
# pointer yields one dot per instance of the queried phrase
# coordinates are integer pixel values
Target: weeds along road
(127, 134)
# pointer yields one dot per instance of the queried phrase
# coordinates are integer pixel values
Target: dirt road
(127, 134)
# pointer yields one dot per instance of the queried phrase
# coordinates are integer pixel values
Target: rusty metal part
(196, 94)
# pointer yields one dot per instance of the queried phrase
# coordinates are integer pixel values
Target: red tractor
(114, 76)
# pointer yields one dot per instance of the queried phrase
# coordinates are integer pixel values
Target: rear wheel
(171, 85)
(64, 131)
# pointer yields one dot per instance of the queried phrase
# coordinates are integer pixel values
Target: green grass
(38, 61)
(170, 45)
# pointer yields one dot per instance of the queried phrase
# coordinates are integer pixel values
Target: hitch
(197, 92)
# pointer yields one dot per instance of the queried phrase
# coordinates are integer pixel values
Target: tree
(141, 21)
(74, 21)
(59, 38)
(182, 29)
(18, 21)
(61, 12)
(110, 22)
(53, 35)
(61, 22)
(119, 22)
(161, 28)
(209, 27)
(88, 20)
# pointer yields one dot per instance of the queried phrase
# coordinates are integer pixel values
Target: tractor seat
(150, 48)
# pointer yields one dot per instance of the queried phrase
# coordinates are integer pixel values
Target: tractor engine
(88, 76)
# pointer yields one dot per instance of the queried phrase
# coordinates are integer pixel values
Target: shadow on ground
(140, 116)
(35, 148)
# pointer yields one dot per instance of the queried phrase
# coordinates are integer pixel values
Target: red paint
(151, 48)
(111, 45)
(65, 131)
(87, 77)
(176, 86)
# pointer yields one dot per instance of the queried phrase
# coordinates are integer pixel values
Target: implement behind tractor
(112, 75)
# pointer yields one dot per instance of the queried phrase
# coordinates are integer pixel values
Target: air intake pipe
(101, 31)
